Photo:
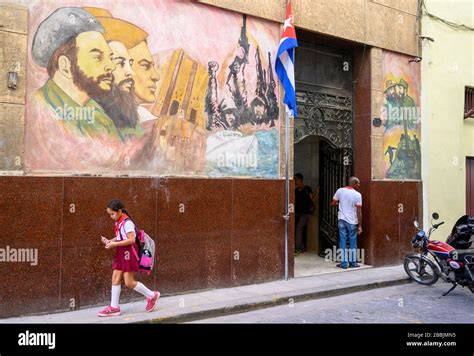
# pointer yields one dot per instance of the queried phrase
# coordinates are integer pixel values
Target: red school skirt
(125, 259)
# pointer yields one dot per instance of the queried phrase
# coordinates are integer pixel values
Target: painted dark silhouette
(234, 111)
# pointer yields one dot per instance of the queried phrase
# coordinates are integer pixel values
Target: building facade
(447, 75)
(195, 146)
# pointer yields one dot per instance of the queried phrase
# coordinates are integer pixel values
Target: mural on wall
(150, 87)
(401, 118)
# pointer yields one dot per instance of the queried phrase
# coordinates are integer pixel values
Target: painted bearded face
(119, 103)
(92, 71)
(390, 93)
(400, 91)
(123, 73)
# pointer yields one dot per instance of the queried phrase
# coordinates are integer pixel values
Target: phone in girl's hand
(104, 240)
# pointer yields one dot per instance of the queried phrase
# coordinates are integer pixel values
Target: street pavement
(408, 303)
(225, 301)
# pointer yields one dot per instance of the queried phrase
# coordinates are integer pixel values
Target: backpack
(146, 250)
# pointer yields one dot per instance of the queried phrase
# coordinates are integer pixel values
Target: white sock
(115, 296)
(140, 288)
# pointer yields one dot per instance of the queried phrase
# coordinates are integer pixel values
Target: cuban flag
(285, 60)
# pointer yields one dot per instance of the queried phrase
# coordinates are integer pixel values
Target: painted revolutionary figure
(92, 113)
(108, 98)
(70, 44)
(120, 103)
(180, 151)
(390, 152)
(263, 108)
(229, 111)
(401, 110)
(73, 131)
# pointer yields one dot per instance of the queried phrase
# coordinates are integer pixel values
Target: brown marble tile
(86, 220)
(387, 233)
(362, 100)
(259, 259)
(194, 245)
(362, 114)
(411, 197)
(362, 148)
(86, 275)
(291, 234)
(206, 205)
(30, 219)
(90, 283)
(31, 211)
(28, 289)
(258, 231)
(365, 240)
(190, 266)
(195, 249)
(385, 222)
(362, 75)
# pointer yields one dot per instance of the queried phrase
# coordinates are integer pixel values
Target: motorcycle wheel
(428, 273)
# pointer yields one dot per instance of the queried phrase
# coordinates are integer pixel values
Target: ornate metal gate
(335, 171)
(324, 98)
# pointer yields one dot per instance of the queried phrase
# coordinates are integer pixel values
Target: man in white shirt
(349, 224)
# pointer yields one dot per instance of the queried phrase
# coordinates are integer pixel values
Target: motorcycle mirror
(417, 224)
(435, 216)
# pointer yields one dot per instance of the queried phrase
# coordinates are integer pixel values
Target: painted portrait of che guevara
(92, 114)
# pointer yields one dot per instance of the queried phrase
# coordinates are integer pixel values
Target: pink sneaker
(150, 304)
(109, 311)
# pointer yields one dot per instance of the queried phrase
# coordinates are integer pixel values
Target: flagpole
(284, 67)
(287, 189)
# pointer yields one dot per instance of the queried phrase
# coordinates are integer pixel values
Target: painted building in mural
(447, 77)
(174, 107)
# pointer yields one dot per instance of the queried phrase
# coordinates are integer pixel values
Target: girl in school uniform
(125, 262)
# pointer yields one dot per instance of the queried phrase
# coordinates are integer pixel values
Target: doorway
(323, 166)
(323, 145)
(307, 163)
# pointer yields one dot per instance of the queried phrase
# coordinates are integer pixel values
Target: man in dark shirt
(304, 206)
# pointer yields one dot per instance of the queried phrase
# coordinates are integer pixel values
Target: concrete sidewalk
(211, 303)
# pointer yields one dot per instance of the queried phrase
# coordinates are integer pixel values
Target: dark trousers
(301, 223)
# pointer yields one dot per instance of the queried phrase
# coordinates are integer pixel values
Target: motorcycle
(452, 260)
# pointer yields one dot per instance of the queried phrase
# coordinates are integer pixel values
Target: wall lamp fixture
(12, 81)
(416, 60)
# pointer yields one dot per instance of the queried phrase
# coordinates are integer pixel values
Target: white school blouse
(127, 226)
